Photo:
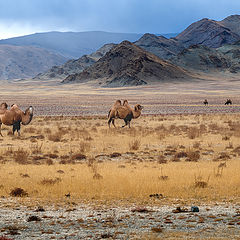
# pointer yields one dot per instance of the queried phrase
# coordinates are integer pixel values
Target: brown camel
(14, 117)
(124, 112)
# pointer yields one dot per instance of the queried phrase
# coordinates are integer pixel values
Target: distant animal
(228, 102)
(205, 102)
(15, 117)
(124, 112)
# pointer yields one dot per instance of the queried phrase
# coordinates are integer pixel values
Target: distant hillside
(128, 65)
(202, 58)
(25, 62)
(71, 44)
(232, 22)
(75, 66)
(160, 46)
(210, 33)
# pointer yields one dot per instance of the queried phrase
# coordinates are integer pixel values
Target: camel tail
(109, 113)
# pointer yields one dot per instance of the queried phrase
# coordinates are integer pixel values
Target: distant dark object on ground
(34, 219)
(205, 102)
(228, 102)
(194, 209)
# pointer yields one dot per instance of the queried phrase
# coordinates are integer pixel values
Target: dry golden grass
(178, 156)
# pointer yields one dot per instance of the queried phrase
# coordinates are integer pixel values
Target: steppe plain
(81, 180)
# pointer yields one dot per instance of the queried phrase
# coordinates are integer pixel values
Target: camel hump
(3, 106)
(125, 102)
(118, 102)
(14, 106)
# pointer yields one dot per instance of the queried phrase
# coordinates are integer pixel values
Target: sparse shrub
(18, 192)
(115, 154)
(161, 159)
(21, 156)
(199, 183)
(193, 132)
(36, 149)
(135, 144)
(193, 156)
(5, 238)
(79, 156)
(30, 130)
(84, 147)
(196, 145)
(92, 164)
(49, 181)
(181, 154)
(56, 137)
(49, 162)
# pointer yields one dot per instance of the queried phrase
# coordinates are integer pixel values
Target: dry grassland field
(68, 176)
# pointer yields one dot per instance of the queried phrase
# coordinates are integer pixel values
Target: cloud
(155, 16)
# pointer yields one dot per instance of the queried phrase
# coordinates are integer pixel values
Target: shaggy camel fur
(124, 112)
(14, 117)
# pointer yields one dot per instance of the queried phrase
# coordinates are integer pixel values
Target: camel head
(118, 102)
(27, 116)
(138, 107)
(3, 106)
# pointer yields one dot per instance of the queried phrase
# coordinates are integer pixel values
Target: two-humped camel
(123, 111)
(15, 116)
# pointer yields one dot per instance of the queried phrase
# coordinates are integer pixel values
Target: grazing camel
(205, 102)
(14, 117)
(228, 102)
(124, 112)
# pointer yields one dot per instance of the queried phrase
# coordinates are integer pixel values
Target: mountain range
(205, 46)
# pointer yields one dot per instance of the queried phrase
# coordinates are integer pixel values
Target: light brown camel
(15, 116)
(124, 112)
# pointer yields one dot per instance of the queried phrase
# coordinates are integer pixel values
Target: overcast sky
(21, 17)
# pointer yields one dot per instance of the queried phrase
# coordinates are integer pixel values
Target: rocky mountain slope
(76, 65)
(160, 46)
(129, 65)
(24, 62)
(232, 22)
(210, 33)
(202, 58)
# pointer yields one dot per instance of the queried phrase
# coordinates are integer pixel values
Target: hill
(24, 61)
(128, 65)
(75, 65)
(159, 45)
(209, 33)
(71, 45)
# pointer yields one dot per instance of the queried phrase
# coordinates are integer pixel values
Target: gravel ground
(98, 222)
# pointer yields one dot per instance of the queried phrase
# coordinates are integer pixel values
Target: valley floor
(71, 177)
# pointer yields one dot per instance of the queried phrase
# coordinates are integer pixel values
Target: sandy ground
(52, 98)
(116, 222)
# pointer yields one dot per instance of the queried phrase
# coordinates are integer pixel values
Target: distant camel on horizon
(228, 102)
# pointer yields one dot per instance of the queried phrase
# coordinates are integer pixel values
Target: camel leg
(14, 127)
(113, 122)
(126, 123)
(129, 124)
(109, 122)
(18, 128)
(0, 130)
